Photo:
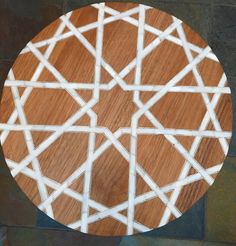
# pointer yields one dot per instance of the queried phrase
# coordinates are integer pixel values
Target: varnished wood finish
(114, 110)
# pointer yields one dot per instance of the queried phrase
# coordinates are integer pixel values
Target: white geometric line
(140, 46)
(86, 86)
(102, 130)
(185, 132)
(134, 125)
(87, 179)
(93, 122)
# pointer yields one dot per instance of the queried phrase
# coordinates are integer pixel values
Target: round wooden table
(115, 119)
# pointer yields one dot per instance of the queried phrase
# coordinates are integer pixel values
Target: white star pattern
(112, 138)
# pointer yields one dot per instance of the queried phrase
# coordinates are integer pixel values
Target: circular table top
(115, 119)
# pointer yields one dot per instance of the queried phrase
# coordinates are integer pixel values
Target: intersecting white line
(93, 122)
(113, 138)
(86, 86)
(102, 130)
(134, 136)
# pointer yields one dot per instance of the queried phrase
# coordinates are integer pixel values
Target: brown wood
(111, 171)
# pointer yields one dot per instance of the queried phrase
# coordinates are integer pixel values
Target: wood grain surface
(115, 108)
